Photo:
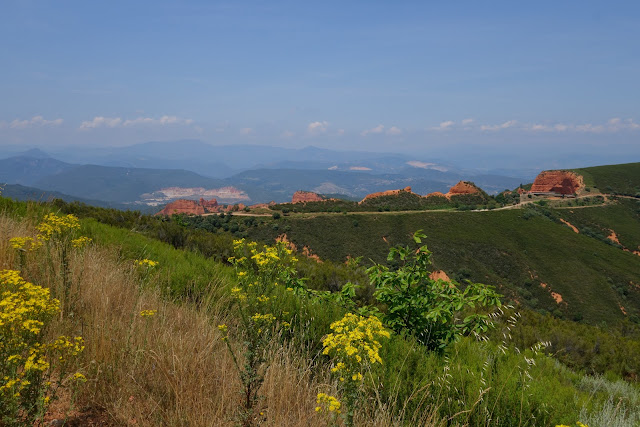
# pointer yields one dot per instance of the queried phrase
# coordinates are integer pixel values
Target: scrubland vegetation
(613, 179)
(175, 335)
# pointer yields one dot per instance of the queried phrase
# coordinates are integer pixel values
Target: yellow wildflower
(79, 377)
(327, 403)
(146, 263)
(81, 242)
(148, 313)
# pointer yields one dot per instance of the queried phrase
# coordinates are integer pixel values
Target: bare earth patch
(439, 275)
(571, 226)
(556, 296)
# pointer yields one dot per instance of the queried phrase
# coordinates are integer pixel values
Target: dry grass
(168, 369)
(171, 368)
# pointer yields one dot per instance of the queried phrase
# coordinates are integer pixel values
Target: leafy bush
(428, 308)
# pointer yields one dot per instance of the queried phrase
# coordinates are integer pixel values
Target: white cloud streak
(99, 121)
(444, 125)
(35, 121)
(376, 130)
(613, 125)
(317, 127)
(117, 122)
(162, 121)
(505, 125)
(393, 130)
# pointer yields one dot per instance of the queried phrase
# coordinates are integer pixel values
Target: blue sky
(431, 77)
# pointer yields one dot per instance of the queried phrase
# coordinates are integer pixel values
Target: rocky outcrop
(209, 205)
(183, 206)
(306, 196)
(558, 182)
(436, 194)
(463, 187)
(192, 207)
(385, 193)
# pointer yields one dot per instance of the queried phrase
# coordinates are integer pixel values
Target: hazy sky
(435, 77)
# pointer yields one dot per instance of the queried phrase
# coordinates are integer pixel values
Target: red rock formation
(436, 194)
(559, 182)
(182, 206)
(385, 193)
(209, 205)
(463, 187)
(521, 190)
(190, 207)
(306, 196)
(230, 208)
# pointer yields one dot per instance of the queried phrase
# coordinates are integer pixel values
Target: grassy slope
(621, 179)
(500, 248)
(623, 217)
(552, 395)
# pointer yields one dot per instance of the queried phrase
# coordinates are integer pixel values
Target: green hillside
(621, 179)
(470, 382)
(622, 218)
(517, 250)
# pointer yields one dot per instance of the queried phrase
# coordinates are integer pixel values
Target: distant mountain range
(157, 172)
(21, 192)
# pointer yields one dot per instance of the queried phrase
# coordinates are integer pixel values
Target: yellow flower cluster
(57, 225)
(355, 337)
(578, 423)
(25, 309)
(327, 403)
(224, 331)
(263, 318)
(25, 243)
(148, 313)
(237, 293)
(79, 377)
(81, 242)
(66, 347)
(267, 256)
(146, 263)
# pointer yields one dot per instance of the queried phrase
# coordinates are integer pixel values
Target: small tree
(436, 312)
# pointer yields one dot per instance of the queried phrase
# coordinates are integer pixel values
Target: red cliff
(305, 196)
(209, 205)
(385, 193)
(463, 187)
(190, 207)
(559, 182)
(182, 206)
(436, 194)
